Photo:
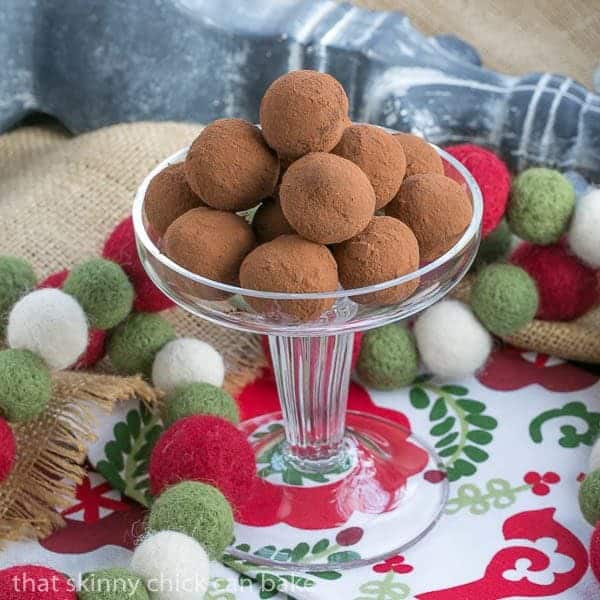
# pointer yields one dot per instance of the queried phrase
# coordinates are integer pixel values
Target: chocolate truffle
(378, 154)
(326, 198)
(230, 166)
(420, 156)
(290, 264)
(269, 222)
(168, 196)
(385, 250)
(211, 243)
(302, 112)
(436, 208)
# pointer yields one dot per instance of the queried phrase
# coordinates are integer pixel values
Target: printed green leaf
(571, 437)
(299, 581)
(464, 467)
(476, 454)
(471, 406)
(328, 575)
(444, 427)
(291, 476)
(343, 556)
(455, 390)
(419, 398)
(482, 421)
(283, 555)
(300, 551)
(111, 474)
(121, 433)
(266, 551)
(449, 451)
(320, 546)
(447, 440)
(478, 436)
(438, 410)
(243, 547)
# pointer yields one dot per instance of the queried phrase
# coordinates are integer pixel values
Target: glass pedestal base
(381, 493)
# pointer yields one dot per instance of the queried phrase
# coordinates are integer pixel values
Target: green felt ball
(103, 290)
(112, 584)
(16, 278)
(540, 206)
(589, 497)
(198, 510)
(135, 342)
(200, 398)
(495, 246)
(504, 298)
(25, 385)
(388, 357)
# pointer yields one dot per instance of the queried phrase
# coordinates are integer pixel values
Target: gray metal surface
(92, 63)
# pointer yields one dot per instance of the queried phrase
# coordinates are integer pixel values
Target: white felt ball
(594, 460)
(451, 341)
(174, 566)
(584, 232)
(51, 324)
(187, 360)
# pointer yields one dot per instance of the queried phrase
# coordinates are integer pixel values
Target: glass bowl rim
(143, 240)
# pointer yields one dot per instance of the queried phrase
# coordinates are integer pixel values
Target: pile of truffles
(325, 202)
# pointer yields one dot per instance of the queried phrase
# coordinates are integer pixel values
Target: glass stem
(313, 375)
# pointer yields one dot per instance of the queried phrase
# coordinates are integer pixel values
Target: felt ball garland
(589, 497)
(16, 278)
(7, 449)
(583, 236)
(595, 552)
(43, 584)
(112, 584)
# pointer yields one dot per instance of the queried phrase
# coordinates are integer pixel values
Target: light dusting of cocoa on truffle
(210, 243)
(290, 264)
(379, 155)
(420, 156)
(385, 250)
(326, 198)
(269, 222)
(230, 166)
(436, 208)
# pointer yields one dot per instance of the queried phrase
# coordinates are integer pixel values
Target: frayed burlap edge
(51, 450)
(577, 340)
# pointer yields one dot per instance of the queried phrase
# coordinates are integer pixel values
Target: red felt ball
(595, 552)
(8, 449)
(264, 340)
(493, 178)
(96, 348)
(208, 449)
(567, 287)
(32, 582)
(120, 247)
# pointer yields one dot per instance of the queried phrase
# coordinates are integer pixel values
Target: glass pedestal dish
(337, 488)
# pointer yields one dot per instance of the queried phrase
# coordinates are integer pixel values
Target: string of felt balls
(200, 469)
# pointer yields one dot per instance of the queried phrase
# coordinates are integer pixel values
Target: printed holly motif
(273, 581)
(384, 589)
(570, 438)
(94, 502)
(127, 455)
(460, 423)
(540, 484)
(395, 564)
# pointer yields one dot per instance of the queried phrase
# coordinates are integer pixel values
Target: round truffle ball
(585, 228)
(168, 196)
(388, 358)
(42, 584)
(451, 341)
(540, 206)
(135, 342)
(187, 360)
(294, 265)
(269, 222)
(8, 449)
(174, 566)
(589, 497)
(594, 460)
(421, 158)
(495, 246)
(385, 250)
(112, 584)
(436, 208)
(302, 112)
(379, 156)
(567, 288)
(326, 198)
(493, 178)
(230, 166)
(204, 448)
(504, 298)
(25, 385)
(197, 399)
(16, 279)
(51, 324)
(198, 510)
(211, 243)
(595, 552)
(103, 290)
